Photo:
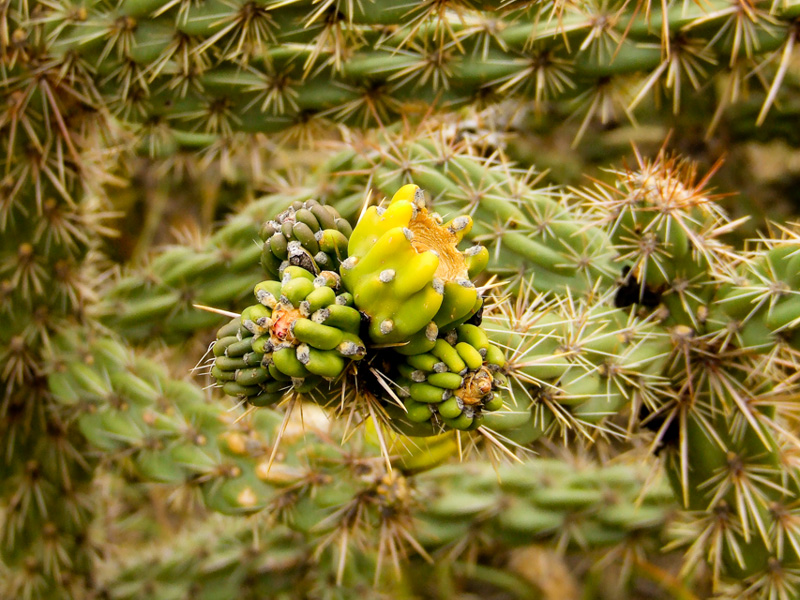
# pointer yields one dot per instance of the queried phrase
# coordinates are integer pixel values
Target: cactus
(338, 62)
(308, 235)
(387, 383)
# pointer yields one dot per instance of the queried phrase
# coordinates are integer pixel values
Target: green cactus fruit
(300, 335)
(308, 235)
(238, 369)
(454, 383)
(406, 273)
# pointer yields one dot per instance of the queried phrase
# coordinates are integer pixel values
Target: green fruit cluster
(404, 282)
(300, 334)
(308, 235)
(453, 383)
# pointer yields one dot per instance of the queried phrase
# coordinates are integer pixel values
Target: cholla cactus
(668, 345)
(292, 66)
(594, 317)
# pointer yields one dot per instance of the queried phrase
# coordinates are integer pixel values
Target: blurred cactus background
(582, 381)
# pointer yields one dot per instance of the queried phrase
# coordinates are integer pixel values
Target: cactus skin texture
(308, 65)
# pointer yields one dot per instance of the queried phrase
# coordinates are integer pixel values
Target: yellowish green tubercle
(406, 273)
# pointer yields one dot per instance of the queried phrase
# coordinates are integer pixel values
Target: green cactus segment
(234, 556)
(538, 500)
(572, 366)
(664, 228)
(165, 430)
(759, 306)
(405, 270)
(717, 451)
(454, 383)
(306, 62)
(300, 335)
(308, 235)
(547, 243)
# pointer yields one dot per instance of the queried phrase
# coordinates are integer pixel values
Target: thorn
(218, 311)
